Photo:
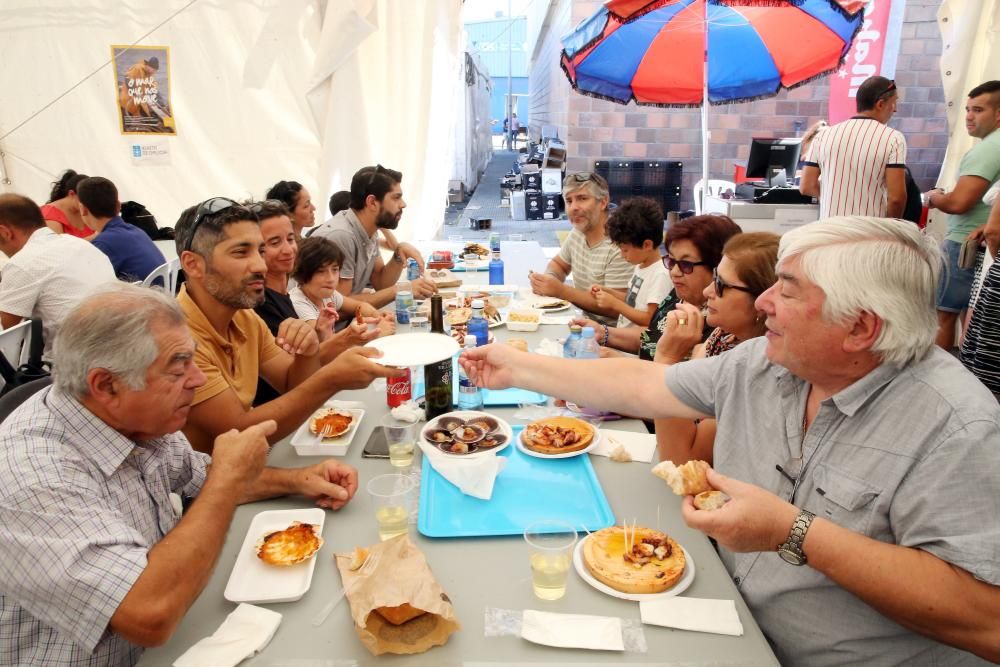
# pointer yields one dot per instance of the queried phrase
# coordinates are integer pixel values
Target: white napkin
(346, 405)
(550, 348)
(573, 630)
(473, 477)
(641, 446)
(244, 632)
(556, 319)
(407, 412)
(701, 615)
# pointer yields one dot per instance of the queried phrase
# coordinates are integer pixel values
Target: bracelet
(607, 332)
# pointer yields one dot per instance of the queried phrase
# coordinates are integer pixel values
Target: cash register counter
(753, 217)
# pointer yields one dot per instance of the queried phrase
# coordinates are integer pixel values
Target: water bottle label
(465, 386)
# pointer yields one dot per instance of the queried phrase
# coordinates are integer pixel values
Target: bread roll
(687, 480)
(710, 500)
(400, 614)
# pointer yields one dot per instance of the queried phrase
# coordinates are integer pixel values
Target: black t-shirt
(275, 309)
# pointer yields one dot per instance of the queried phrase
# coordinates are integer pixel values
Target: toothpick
(658, 519)
(585, 530)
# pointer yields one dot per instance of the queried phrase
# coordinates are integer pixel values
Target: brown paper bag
(400, 576)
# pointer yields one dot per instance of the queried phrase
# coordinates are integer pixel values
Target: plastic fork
(365, 570)
(325, 432)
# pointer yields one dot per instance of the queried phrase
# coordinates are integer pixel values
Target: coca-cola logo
(398, 388)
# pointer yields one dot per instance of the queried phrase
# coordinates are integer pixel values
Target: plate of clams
(467, 433)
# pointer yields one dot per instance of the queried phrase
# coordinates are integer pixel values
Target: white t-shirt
(305, 308)
(649, 285)
(50, 275)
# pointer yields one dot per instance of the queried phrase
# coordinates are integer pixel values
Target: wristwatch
(791, 550)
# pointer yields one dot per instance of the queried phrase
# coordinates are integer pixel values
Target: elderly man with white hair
(94, 561)
(860, 459)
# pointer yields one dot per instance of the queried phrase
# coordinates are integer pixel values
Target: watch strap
(793, 545)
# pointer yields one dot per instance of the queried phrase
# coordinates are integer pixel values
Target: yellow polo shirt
(232, 361)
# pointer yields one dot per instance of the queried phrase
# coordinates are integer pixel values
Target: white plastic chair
(168, 272)
(14, 344)
(714, 189)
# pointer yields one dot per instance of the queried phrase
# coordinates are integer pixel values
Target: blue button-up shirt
(131, 251)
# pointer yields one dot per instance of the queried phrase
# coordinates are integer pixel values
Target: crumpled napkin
(573, 630)
(550, 347)
(244, 632)
(641, 446)
(346, 405)
(473, 476)
(698, 614)
(556, 319)
(408, 412)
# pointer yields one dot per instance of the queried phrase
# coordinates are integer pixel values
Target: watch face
(791, 557)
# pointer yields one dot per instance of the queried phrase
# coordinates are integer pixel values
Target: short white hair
(880, 265)
(111, 329)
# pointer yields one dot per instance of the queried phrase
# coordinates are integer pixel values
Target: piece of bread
(358, 559)
(603, 556)
(710, 500)
(689, 479)
(518, 344)
(620, 454)
(399, 614)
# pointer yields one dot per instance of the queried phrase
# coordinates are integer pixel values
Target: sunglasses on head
(889, 89)
(684, 265)
(207, 207)
(721, 286)
(258, 206)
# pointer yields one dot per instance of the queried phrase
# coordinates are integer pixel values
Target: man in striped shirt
(587, 252)
(862, 159)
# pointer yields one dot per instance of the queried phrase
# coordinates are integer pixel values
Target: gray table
(477, 573)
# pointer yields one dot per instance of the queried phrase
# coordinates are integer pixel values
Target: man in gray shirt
(861, 461)
(376, 203)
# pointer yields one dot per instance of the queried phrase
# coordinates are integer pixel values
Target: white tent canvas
(305, 90)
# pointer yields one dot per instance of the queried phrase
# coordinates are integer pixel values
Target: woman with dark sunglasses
(746, 270)
(694, 248)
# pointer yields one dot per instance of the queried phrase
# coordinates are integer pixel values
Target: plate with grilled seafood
(467, 433)
(558, 438)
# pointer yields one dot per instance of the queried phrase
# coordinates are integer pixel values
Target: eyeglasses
(207, 207)
(686, 267)
(258, 206)
(890, 88)
(379, 169)
(721, 286)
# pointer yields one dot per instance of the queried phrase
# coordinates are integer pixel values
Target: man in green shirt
(979, 169)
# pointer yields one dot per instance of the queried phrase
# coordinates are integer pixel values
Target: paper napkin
(556, 319)
(573, 630)
(700, 615)
(642, 446)
(473, 476)
(244, 632)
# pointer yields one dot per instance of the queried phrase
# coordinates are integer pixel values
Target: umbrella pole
(705, 136)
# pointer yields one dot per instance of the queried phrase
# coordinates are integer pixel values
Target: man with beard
(587, 252)
(376, 203)
(219, 244)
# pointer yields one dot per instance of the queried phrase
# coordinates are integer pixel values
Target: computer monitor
(769, 155)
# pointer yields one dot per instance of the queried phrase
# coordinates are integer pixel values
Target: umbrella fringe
(639, 13)
(757, 3)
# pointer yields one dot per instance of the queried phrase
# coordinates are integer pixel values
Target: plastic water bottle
(412, 269)
(496, 269)
(569, 347)
(470, 396)
(478, 326)
(587, 347)
(494, 242)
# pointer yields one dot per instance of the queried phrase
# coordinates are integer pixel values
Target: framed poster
(142, 87)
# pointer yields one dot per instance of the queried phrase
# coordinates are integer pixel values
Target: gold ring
(682, 321)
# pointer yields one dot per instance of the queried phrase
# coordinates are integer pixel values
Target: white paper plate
(682, 584)
(414, 349)
(568, 455)
(305, 443)
(254, 581)
(468, 414)
(487, 289)
(475, 265)
(533, 300)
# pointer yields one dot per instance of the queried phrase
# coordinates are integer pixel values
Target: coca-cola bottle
(398, 390)
(437, 376)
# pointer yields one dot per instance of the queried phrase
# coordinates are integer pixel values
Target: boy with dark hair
(132, 253)
(636, 227)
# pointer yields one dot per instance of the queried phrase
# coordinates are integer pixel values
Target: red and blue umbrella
(659, 52)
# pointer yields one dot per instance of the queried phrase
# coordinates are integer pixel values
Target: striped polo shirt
(600, 264)
(852, 157)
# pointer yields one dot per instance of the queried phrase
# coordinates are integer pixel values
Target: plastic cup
(455, 238)
(550, 551)
(400, 436)
(391, 496)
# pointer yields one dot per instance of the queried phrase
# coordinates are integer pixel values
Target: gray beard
(237, 298)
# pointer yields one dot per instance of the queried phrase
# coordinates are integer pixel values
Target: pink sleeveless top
(53, 213)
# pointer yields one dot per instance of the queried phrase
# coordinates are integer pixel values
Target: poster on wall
(142, 86)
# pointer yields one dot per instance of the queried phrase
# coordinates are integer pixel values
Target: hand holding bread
(691, 479)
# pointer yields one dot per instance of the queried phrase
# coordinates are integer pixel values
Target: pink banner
(874, 52)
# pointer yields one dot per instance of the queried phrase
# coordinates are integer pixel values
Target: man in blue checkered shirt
(86, 574)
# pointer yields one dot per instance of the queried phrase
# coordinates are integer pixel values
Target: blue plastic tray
(528, 489)
(512, 396)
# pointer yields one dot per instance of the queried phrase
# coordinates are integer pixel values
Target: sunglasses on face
(207, 207)
(684, 265)
(721, 286)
